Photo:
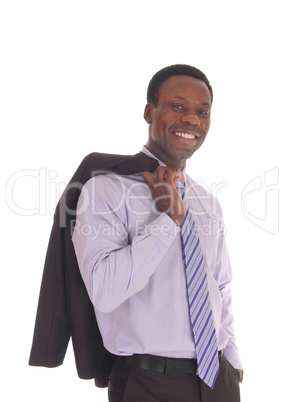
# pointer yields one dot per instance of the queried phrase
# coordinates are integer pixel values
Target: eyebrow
(186, 100)
(180, 98)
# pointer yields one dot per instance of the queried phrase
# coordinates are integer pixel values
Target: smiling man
(179, 122)
(159, 283)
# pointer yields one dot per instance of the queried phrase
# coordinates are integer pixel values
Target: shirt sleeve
(231, 351)
(113, 266)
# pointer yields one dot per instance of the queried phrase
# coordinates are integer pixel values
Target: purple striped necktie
(198, 297)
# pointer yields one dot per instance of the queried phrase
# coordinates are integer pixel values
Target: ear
(148, 112)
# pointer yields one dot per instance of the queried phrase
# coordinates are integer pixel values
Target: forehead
(183, 86)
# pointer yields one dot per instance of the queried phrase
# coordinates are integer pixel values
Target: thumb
(149, 178)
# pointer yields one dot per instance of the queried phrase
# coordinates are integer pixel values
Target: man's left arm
(223, 275)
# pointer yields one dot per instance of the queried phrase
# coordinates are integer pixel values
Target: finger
(161, 173)
(172, 175)
(149, 178)
(172, 178)
(181, 176)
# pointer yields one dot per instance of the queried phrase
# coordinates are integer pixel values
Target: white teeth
(185, 135)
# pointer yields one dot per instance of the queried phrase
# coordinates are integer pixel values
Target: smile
(186, 135)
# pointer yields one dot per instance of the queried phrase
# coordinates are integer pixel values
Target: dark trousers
(132, 384)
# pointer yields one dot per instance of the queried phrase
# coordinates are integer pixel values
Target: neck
(176, 164)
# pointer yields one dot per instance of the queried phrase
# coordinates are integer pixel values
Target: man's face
(180, 122)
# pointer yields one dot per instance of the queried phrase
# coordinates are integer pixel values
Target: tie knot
(180, 186)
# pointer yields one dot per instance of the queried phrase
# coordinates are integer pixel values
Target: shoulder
(104, 185)
(97, 161)
(109, 191)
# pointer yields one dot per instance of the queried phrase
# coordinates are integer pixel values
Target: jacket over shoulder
(64, 308)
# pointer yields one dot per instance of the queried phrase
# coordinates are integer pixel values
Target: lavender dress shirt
(130, 258)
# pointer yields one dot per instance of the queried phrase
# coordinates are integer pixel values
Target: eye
(177, 106)
(204, 113)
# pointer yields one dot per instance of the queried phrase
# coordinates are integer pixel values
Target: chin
(184, 154)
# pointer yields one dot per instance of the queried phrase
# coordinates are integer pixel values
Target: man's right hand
(164, 192)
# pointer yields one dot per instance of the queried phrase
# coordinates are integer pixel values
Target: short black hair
(167, 72)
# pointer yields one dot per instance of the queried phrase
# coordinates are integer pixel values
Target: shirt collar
(148, 153)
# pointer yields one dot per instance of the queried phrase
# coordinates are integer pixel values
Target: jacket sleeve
(52, 330)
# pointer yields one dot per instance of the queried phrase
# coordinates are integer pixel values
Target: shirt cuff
(232, 355)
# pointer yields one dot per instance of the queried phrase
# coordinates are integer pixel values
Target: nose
(190, 119)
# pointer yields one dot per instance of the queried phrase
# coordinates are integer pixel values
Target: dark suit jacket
(64, 308)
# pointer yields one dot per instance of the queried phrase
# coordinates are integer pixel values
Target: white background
(73, 80)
